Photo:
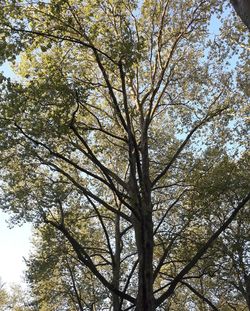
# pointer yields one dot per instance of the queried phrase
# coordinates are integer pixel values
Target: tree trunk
(116, 265)
(247, 282)
(242, 8)
(144, 239)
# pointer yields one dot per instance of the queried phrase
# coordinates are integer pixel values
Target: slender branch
(60, 38)
(74, 286)
(167, 250)
(60, 156)
(133, 147)
(161, 261)
(101, 129)
(83, 189)
(128, 279)
(86, 260)
(111, 92)
(198, 294)
(187, 139)
(168, 210)
(155, 90)
(201, 252)
(106, 171)
(104, 229)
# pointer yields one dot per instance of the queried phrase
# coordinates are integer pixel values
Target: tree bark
(242, 8)
(144, 239)
(247, 282)
(116, 265)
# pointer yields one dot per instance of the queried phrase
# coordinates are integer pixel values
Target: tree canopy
(124, 139)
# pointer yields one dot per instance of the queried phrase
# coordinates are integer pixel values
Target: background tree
(242, 7)
(3, 296)
(15, 299)
(119, 113)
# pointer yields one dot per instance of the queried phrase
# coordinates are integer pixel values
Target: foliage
(15, 299)
(123, 139)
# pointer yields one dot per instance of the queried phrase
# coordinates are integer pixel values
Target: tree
(3, 296)
(117, 105)
(242, 8)
(14, 299)
(223, 281)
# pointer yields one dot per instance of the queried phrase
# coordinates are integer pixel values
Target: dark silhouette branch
(242, 8)
(202, 297)
(188, 137)
(201, 252)
(86, 260)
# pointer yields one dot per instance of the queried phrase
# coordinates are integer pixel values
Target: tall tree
(116, 105)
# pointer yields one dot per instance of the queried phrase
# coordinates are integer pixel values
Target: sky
(14, 245)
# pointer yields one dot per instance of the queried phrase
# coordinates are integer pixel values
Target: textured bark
(144, 239)
(247, 281)
(116, 265)
(242, 8)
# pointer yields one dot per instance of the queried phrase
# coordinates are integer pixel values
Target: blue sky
(8, 72)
